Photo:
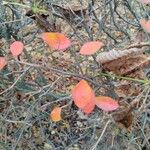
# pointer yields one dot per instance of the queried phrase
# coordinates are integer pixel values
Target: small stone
(53, 132)
(79, 124)
(47, 146)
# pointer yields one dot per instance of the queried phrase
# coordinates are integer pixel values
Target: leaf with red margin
(3, 62)
(16, 48)
(145, 25)
(55, 115)
(56, 40)
(106, 103)
(82, 94)
(90, 48)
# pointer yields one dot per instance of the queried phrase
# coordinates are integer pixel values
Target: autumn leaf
(56, 40)
(55, 115)
(16, 48)
(82, 94)
(145, 25)
(3, 62)
(90, 48)
(106, 103)
(145, 1)
(89, 107)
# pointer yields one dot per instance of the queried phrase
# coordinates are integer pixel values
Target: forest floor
(34, 83)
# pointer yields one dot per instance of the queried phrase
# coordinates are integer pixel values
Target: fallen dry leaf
(16, 48)
(89, 107)
(127, 65)
(70, 12)
(90, 48)
(106, 103)
(123, 116)
(55, 115)
(145, 25)
(127, 88)
(130, 61)
(3, 62)
(56, 40)
(145, 1)
(82, 94)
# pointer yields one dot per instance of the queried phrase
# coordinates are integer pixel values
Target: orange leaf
(90, 48)
(56, 40)
(56, 114)
(16, 48)
(89, 107)
(3, 62)
(145, 25)
(82, 94)
(106, 103)
(145, 1)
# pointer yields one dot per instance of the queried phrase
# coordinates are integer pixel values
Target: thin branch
(99, 139)
(15, 81)
(59, 71)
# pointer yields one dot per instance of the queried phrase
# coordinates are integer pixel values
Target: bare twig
(59, 71)
(99, 139)
(15, 81)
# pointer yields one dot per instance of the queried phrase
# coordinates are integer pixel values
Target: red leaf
(145, 25)
(90, 48)
(106, 103)
(145, 1)
(55, 115)
(56, 40)
(89, 107)
(82, 94)
(16, 48)
(3, 62)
